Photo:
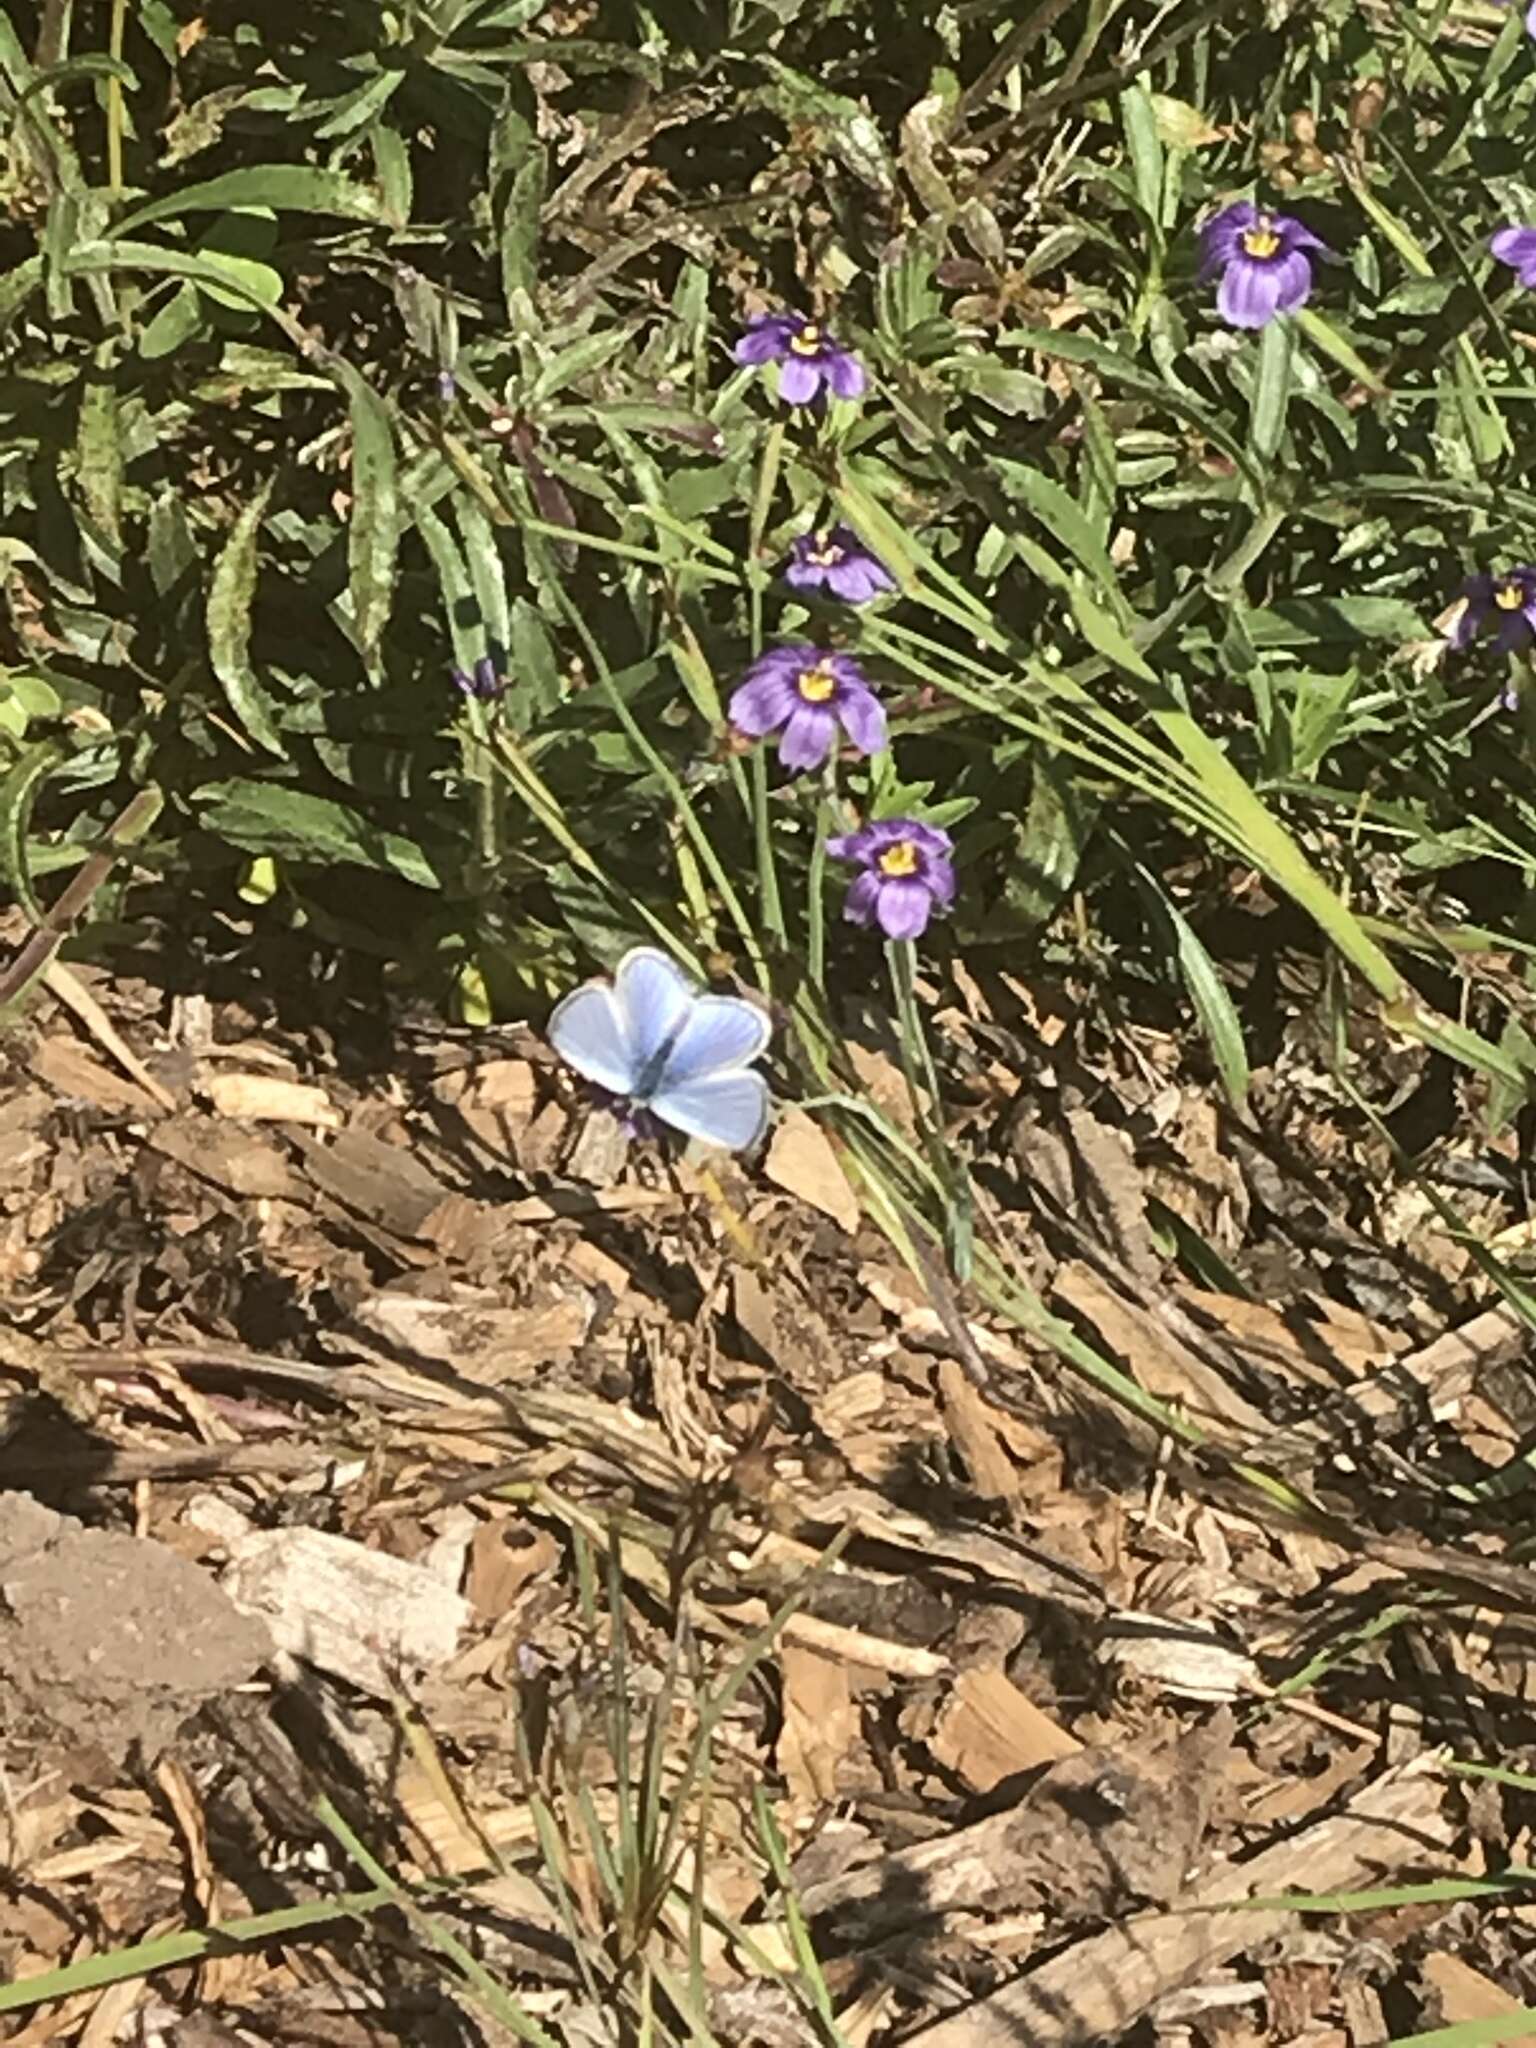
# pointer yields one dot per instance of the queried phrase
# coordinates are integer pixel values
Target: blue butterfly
(652, 1037)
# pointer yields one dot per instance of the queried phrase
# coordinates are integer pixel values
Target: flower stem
(770, 902)
(115, 32)
(922, 1078)
(815, 887)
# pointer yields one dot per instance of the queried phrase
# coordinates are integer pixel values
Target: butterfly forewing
(653, 998)
(717, 1034)
(588, 1031)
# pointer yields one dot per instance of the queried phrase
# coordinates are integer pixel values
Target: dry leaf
(802, 1161)
(267, 1098)
(988, 1730)
(820, 1723)
(1466, 1994)
(360, 1614)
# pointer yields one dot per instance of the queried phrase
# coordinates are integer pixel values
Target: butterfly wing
(728, 1109)
(705, 1088)
(653, 997)
(587, 1030)
(717, 1034)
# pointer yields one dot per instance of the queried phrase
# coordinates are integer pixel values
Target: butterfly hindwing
(728, 1109)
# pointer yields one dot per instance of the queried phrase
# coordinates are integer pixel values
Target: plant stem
(115, 35)
(815, 887)
(921, 1075)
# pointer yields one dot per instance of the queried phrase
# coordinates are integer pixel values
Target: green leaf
(1271, 390)
(98, 445)
(231, 593)
(1063, 519)
(487, 574)
(270, 817)
(286, 188)
(18, 794)
(1207, 991)
(373, 531)
(179, 317)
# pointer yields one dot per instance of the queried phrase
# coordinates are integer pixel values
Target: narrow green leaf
(286, 188)
(373, 531)
(487, 573)
(269, 817)
(1207, 991)
(1139, 118)
(18, 794)
(1271, 390)
(231, 593)
(98, 445)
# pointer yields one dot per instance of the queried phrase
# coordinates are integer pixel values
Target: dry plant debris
(358, 1402)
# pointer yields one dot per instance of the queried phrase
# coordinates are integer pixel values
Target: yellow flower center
(1509, 597)
(816, 685)
(898, 860)
(807, 342)
(1261, 240)
(826, 553)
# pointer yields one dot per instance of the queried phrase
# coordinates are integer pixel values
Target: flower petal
(1250, 292)
(807, 736)
(940, 878)
(904, 909)
(799, 379)
(858, 578)
(762, 703)
(844, 846)
(862, 902)
(1294, 234)
(1515, 246)
(765, 340)
(863, 718)
(1293, 276)
(845, 374)
(1218, 238)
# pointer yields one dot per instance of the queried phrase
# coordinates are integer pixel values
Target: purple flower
(907, 871)
(839, 562)
(1260, 257)
(485, 684)
(804, 695)
(1517, 246)
(1509, 600)
(807, 356)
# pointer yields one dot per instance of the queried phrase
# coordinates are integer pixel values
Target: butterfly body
(651, 1037)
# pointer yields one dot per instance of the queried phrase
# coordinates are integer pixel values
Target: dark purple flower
(485, 684)
(1264, 270)
(1508, 600)
(907, 872)
(1517, 246)
(804, 695)
(807, 356)
(839, 562)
